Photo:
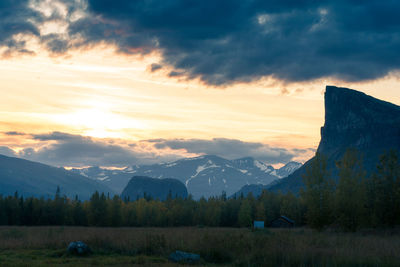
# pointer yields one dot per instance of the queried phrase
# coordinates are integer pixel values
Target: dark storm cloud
(227, 41)
(56, 43)
(16, 18)
(242, 40)
(230, 149)
(176, 74)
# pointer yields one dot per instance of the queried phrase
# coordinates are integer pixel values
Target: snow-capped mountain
(203, 176)
(288, 169)
(115, 179)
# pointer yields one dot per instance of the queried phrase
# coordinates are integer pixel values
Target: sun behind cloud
(99, 122)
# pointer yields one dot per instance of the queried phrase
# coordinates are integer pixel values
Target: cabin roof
(287, 219)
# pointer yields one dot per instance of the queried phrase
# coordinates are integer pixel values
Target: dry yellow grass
(227, 246)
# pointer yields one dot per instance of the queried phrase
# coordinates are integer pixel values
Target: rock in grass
(78, 248)
(181, 256)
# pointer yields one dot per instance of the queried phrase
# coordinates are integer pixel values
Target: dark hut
(282, 222)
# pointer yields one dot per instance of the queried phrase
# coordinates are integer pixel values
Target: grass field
(41, 246)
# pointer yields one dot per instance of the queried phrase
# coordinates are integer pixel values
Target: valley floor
(46, 246)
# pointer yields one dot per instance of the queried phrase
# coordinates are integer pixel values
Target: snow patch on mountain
(83, 173)
(204, 167)
(261, 166)
(102, 178)
(201, 168)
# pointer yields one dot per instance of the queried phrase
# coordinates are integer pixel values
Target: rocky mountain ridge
(203, 176)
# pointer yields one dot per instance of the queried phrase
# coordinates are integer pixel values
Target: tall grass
(240, 247)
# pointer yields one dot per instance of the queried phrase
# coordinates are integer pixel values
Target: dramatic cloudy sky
(113, 83)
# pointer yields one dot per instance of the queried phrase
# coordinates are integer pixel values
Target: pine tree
(3, 215)
(98, 210)
(58, 212)
(318, 193)
(271, 202)
(115, 211)
(291, 207)
(244, 216)
(386, 184)
(28, 212)
(229, 212)
(260, 211)
(351, 192)
(213, 212)
(79, 216)
(12, 209)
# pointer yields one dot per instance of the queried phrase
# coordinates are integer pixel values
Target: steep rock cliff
(352, 120)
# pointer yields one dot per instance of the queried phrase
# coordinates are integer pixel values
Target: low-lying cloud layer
(63, 149)
(225, 41)
(229, 149)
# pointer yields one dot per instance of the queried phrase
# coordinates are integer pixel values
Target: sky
(117, 83)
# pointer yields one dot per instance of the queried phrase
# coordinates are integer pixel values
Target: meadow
(41, 246)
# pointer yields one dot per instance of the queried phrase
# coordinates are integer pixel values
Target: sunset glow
(115, 96)
(102, 91)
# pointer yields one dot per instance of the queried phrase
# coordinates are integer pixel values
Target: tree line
(355, 200)
(352, 201)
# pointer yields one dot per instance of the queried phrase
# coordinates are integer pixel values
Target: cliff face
(352, 120)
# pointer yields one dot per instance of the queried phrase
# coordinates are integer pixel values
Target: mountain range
(352, 120)
(203, 176)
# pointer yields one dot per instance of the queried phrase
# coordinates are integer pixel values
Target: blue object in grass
(78, 248)
(259, 224)
(181, 256)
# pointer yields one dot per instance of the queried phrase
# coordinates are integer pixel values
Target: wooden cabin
(282, 222)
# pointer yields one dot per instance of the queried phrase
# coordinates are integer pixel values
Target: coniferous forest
(355, 200)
